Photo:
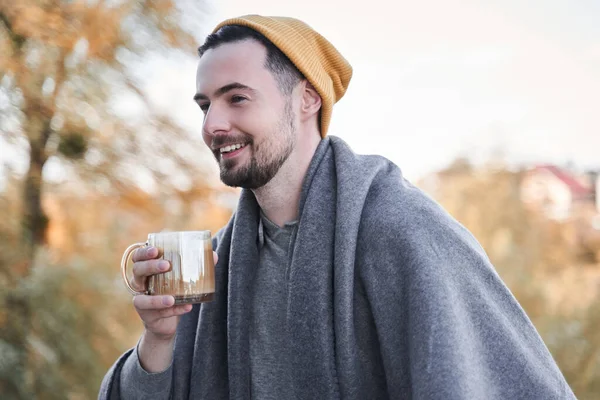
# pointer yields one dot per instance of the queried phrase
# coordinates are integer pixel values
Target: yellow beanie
(314, 56)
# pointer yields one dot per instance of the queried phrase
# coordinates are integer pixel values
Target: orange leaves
(160, 7)
(101, 26)
(62, 24)
(48, 23)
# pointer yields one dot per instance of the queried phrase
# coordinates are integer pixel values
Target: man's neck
(279, 199)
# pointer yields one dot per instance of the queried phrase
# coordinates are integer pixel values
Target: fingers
(174, 311)
(154, 308)
(145, 264)
(143, 302)
(147, 256)
(143, 269)
(144, 254)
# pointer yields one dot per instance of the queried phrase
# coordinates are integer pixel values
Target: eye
(204, 107)
(237, 99)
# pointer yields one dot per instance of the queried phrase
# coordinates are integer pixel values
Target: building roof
(577, 188)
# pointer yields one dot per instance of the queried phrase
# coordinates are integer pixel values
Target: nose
(216, 121)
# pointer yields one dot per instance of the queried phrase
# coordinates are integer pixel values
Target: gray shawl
(378, 272)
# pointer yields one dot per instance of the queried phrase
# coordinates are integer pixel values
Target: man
(336, 278)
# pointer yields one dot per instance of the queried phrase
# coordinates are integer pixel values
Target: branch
(129, 82)
(59, 80)
(17, 40)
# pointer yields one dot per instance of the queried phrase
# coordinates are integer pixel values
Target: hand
(158, 313)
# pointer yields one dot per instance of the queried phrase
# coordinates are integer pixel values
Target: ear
(311, 101)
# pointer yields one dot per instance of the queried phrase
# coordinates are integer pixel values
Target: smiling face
(249, 124)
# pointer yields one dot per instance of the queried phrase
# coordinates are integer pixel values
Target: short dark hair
(285, 72)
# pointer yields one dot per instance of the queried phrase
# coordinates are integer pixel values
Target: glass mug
(191, 278)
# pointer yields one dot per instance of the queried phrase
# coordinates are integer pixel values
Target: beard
(265, 160)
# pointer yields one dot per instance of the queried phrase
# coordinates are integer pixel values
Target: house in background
(559, 192)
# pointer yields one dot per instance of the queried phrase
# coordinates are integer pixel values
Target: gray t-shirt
(269, 368)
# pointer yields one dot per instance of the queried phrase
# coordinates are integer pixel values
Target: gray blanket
(389, 297)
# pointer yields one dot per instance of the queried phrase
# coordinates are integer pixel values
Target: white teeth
(228, 149)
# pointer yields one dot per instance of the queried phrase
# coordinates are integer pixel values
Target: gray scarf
(373, 258)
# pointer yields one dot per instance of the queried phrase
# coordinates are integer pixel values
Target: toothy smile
(233, 147)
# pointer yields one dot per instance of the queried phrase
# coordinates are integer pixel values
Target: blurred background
(491, 107)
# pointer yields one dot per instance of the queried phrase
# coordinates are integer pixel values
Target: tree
(66, 68)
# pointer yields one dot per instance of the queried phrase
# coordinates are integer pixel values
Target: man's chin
(242, 179)
(235, 182)
(247, 175)
(233, 177)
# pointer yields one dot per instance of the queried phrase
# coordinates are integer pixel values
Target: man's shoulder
(397, 211)
(390, 199)
(397, 204)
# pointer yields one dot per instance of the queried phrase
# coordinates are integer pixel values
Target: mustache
(226, 140)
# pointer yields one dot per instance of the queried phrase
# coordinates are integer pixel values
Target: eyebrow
(222, 90)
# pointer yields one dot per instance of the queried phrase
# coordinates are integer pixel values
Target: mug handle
(124, 262)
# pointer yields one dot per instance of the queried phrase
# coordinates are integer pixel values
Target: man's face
(249, 124)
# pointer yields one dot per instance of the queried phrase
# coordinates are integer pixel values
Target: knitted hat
(314, 56)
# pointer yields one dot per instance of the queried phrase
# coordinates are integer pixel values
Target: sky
(437, 80)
